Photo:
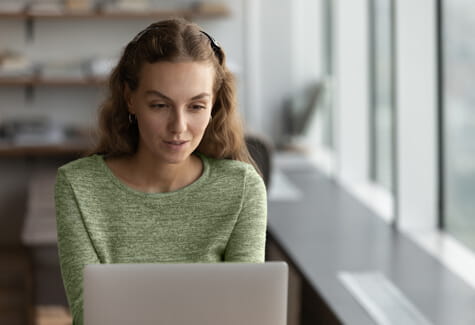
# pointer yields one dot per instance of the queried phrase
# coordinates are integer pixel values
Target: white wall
(275, 60)
(306, 43)
(290, 55)
(252, 79)
(60, 40)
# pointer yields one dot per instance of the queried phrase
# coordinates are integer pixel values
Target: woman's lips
(176, 144)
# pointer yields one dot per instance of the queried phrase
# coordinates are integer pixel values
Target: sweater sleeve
(74, 245)
(247, 241)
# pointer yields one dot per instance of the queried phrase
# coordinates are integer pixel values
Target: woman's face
(173, 107)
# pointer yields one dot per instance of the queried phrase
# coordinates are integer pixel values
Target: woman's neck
(145, 173)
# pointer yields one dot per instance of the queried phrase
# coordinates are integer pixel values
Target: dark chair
(261, 152)
(16, 286)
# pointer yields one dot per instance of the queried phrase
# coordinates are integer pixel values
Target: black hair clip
(140, 34)
(215, 46)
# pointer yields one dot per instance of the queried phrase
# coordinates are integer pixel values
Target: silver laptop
(178, 294)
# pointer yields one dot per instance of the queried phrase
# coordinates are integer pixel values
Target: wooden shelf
(66, 149)
(15, 81)
(205, 12)
(36, 81)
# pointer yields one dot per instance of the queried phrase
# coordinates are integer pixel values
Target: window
(326, 115)
(458, 119)
(382, 92)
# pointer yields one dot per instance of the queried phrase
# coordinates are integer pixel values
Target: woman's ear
(128, 98)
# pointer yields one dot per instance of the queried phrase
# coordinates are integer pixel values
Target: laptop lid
(199, 294)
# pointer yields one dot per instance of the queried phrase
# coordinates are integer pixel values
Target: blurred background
(375, 94)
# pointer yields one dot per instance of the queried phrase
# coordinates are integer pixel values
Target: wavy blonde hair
(173, 40)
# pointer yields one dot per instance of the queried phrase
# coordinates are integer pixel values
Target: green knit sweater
(220, 217)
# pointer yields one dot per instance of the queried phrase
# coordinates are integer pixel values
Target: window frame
(415, 207)
(373, 166)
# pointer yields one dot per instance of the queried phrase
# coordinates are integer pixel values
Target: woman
(171, 180)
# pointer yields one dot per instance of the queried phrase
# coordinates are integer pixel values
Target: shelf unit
(205, 11)
(39, 81)
(66, 149)
(76, 148)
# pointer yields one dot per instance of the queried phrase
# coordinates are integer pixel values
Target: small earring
(131, 118)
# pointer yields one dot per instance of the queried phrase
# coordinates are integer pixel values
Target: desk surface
(326, 230)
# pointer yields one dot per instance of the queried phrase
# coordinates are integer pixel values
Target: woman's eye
(159, 105)
(198, 107)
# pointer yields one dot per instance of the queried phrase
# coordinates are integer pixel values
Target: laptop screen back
(199, 294)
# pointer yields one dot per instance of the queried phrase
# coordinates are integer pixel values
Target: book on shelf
(72, 69)
(125, 6)
(61, 7)
(33, 131)
(54, 7)
(41, 131)
(209, 8)
(14, 65)
(79, 6)
(12, 7)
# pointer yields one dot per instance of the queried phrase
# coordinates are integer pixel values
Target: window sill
(450, 252)
(445, 248)
(326, 229)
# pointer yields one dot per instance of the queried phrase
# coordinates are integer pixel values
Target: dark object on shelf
(40, 137)
(301, 107)
(3, 132)
(33, 131)
(299, 110)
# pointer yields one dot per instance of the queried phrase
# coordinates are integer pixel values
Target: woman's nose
(177, 122)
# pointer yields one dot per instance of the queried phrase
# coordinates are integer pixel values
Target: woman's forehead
(191, 77)
(155, 70)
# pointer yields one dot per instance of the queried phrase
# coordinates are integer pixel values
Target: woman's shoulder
(81, 163)
(228, 165)
(82, 167)
(228, 168)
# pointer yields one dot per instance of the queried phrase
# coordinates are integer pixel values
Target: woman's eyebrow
(200, 96)
(159, 94)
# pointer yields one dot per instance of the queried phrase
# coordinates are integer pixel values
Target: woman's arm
(74, 245)
(248, 238)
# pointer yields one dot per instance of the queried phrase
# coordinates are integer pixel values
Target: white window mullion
(351, 106)
(416, 125)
